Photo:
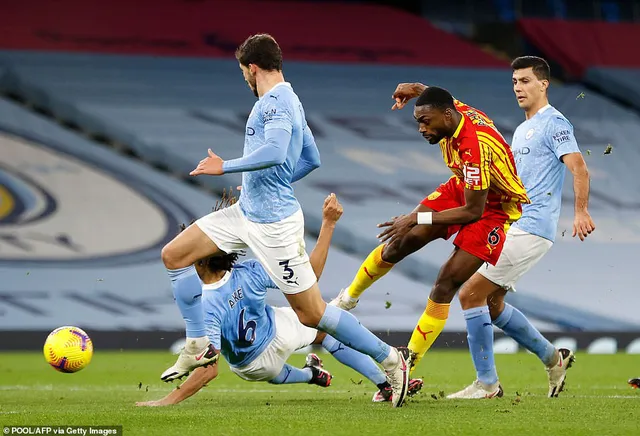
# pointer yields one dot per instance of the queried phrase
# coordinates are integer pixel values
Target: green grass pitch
(598, 400)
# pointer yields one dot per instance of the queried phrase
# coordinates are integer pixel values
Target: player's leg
(385, 256)
(382, 259)
(516, 325)
(457, 270)
(207, 236)
(280, 249)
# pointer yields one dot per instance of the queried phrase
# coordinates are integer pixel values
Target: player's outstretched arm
(273, 152)
(583, 225)
(331, 213)
(196, 381)
(405, 92)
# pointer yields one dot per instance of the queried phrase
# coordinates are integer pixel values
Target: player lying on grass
(257, 339)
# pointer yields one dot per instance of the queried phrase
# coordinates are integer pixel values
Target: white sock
(196, 344)
(392, 360)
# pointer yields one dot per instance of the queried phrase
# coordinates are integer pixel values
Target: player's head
(258, 53)
(531, 76)
(217, 263)
(436, 114)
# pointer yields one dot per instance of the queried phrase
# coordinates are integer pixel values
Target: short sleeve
(260, 275)
(212, 321)
(475, 156)
(276, 112)
(560, 138)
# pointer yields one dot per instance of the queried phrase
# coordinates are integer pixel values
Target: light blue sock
(289, 375)
(480, 338)
(516, 325)
(355, 360)
(187, 292)
(347, 329)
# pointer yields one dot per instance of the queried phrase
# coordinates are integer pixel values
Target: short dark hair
(539, 66)
(223, 262)
(261, 50)
(437, 97)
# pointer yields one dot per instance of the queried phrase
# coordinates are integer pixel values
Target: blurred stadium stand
(170, 101)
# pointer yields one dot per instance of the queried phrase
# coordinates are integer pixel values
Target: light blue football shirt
(538, 145)
(239, 322)
(267, 195)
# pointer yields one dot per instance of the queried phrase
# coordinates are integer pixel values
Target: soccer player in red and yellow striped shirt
(479, 203)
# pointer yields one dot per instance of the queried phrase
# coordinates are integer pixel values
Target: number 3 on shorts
(288, 272)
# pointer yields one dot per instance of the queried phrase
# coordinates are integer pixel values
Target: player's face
(528, 88)
(250, 78)
(433, 124)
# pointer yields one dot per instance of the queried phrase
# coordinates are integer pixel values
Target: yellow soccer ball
(68, 349)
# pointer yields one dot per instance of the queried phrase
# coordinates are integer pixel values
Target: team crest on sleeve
(529, 134)
(434, 195)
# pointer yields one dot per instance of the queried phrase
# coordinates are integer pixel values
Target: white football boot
(197, 352)
(558, 373)
(398, 378)
(344, 301)
(477, 390)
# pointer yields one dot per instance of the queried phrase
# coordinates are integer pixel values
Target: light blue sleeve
(214, 327)
(273, 152)
(560, 137)
(309, 157)
(261, 275)
(276, 112)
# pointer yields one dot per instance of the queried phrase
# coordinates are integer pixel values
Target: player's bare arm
(583, 225)
(472, 211)
(405, 92)
(196, 381)
(331, 213)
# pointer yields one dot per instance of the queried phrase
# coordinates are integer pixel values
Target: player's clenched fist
(583, 225)
(211, 165)
(405, 92)
(332, 209)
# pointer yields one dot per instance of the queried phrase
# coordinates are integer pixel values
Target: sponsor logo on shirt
(562, 136)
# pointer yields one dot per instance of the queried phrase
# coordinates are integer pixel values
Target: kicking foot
(344, 301)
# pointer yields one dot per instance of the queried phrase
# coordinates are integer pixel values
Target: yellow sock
(428, 329)
(371, 270)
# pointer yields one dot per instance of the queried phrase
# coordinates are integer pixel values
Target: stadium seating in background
(170, 110)
(604, 55)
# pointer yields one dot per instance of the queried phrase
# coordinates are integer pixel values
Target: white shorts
(291, 335)
(279, 246)
(520, 253)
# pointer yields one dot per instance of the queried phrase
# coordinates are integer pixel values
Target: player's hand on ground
(405, 92)
(210, 165)
(332, 209)
(583, 225)
(397, 228)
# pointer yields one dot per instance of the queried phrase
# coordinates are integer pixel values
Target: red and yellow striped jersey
(480, 157)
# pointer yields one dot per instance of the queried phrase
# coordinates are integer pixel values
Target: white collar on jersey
(543, 108)
(217, 285)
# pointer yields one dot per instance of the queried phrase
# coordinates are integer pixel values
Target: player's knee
(444, 290)
(394, 253)
(468, 298)
(309, 317)
(170, 258)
